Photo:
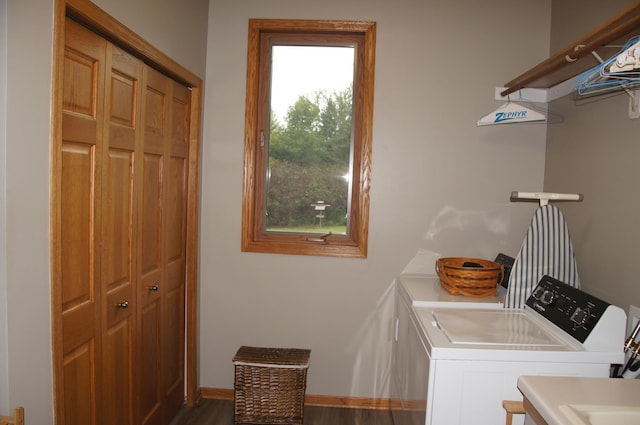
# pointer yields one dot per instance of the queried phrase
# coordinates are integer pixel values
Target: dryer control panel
(572, 310)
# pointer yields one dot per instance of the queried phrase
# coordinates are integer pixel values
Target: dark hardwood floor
(220, 412)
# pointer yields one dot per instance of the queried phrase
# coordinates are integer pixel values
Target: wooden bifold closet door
(123, 206)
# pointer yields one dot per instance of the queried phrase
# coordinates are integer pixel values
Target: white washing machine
(420, 290)
(462, 362)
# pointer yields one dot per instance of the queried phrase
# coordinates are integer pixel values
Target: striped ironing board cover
(547, 250)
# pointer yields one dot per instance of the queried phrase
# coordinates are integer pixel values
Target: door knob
(154, 288)
(122, 304)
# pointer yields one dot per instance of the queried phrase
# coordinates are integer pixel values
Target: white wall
(27, 206)
(177, 27)
(595, 151)
(4, 361)
(28, 94)
(439, 183)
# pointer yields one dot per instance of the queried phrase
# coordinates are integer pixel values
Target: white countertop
(549, 393)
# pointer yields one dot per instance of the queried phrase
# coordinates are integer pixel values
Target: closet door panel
(79, 205)
(152, 291)
(82, 78)
(118, 242)
(78, 267)
(175, 243)
(80, 399)
(173, 355)
(117, 365)
(150, 394)
(180, 109)
(151, 222)
(175, 225)
(123, 88)
(155, 119)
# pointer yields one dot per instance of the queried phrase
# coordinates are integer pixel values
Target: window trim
(355, 243)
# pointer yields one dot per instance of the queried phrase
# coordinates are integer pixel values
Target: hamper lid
(274, 357)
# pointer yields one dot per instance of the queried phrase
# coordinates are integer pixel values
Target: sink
(588, 414)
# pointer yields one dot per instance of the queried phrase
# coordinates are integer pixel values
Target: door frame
(102, 23)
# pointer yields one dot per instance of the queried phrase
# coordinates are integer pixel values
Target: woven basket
(270, 385)
(476, 278)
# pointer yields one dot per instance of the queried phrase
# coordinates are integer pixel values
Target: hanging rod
(626, 24)
(545, 197)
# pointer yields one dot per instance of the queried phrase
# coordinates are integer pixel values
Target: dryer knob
(547, 297)
(580, 316)
(537, 294)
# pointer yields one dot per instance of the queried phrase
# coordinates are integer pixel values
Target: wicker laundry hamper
(270, 385)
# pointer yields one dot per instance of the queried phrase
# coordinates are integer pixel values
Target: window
(308, 129)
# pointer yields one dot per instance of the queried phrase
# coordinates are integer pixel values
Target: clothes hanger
(520, 111)
(620, 71)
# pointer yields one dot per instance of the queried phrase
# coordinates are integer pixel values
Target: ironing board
(547, 250)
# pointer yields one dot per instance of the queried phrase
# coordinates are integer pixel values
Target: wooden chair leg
(512, 407)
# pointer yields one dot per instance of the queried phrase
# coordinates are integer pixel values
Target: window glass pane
(310, 139)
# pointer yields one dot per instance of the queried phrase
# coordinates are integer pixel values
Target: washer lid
(492, 327)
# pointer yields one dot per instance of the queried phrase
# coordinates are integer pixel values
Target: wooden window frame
(254, 238)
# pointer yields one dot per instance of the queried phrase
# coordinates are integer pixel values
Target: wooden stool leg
(16, 419)
(19, 415)
(512, 407)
